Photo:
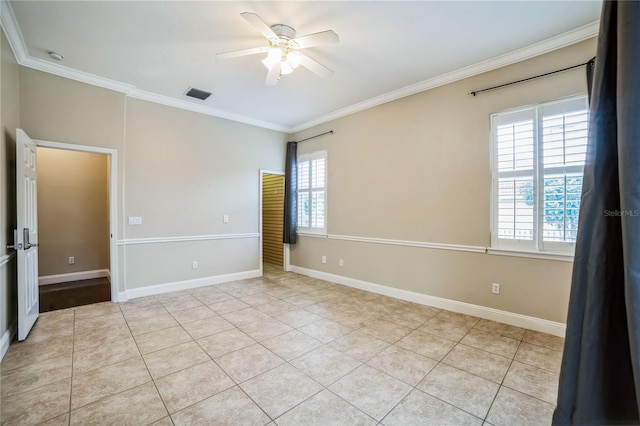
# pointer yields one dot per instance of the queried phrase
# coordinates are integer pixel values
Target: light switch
(225, 218)
(135, 220)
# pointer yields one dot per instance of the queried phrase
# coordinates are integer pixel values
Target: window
(538, 160)
(312, 192)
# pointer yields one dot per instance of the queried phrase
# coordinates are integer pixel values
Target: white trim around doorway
(113, 201)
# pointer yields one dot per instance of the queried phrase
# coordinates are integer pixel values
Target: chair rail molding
(186, 238)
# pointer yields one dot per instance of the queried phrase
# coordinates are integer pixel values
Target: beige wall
(9, 121)
(419, 169)
(73, 211)
(57, 109)
(184, 171)
(180, 171)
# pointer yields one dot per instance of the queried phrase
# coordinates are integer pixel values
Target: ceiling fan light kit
(282, 53)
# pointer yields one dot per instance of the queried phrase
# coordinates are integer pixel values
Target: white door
(26, 236)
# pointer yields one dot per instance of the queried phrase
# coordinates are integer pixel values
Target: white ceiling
(164, 47)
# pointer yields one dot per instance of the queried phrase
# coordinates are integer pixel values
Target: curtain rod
(316, 136)
(475, 92)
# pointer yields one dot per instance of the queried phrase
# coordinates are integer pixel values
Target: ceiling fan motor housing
(284, 31)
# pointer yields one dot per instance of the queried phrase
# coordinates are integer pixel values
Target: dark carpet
(74, 293)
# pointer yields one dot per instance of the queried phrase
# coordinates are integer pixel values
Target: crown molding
(203, 109)
(73, 74)
(12, 31)
(16, 41)
(554, 43)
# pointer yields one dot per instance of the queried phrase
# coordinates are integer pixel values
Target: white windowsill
(549, 255)
(311, 234)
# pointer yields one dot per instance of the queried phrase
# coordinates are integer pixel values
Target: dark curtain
(600, 374)
(291, 194)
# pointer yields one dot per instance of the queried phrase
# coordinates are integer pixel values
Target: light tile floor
(284, 349)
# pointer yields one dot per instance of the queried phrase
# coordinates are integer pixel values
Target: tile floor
(284, 349)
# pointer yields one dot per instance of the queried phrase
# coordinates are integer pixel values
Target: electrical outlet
(72, 260)
(324, 259)
(194, 264)
(341, 262)
(225, 218)
(495, 289)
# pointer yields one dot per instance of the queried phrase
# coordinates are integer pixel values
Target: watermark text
(622, 213)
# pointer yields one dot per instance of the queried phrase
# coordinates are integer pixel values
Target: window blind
(538, 159)
(312, 192)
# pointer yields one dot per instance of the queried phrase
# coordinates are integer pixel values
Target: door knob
(15, 238)
(25, 238)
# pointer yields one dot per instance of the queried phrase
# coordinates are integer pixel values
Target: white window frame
(310, 157)
(537, 245)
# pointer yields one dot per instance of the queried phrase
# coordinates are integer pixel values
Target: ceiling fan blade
(315, 67)
(259, 25)
(316, 39)
(244, 52)
(274, 74)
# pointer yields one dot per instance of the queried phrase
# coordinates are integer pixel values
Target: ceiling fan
(283, 54)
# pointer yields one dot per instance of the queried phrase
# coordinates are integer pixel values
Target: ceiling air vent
(198, 94)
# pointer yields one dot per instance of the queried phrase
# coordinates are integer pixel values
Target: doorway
(272, 220)
(73, 225)
(76, 215)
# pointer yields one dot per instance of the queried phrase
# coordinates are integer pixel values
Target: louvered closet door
(272, 219)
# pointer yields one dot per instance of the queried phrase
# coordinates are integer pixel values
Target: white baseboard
(186, 285)
(518, 320)
(73, 276)
(6, 339)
